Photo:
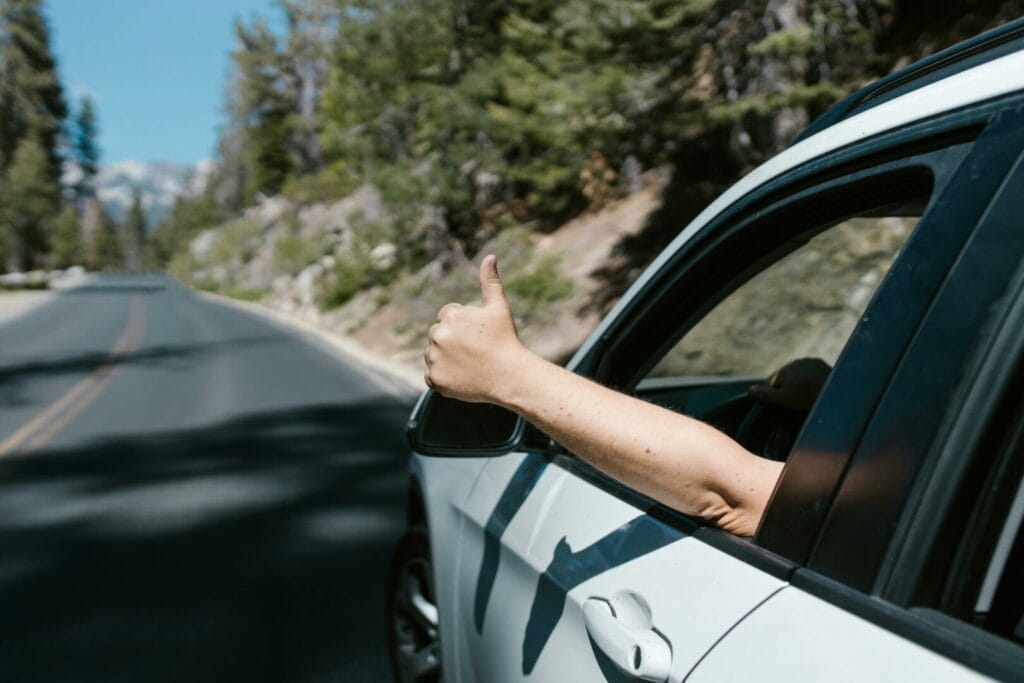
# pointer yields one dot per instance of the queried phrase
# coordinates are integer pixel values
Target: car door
(916, 572)
(565, 572)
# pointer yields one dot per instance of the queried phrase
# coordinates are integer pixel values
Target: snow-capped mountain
(161, 182)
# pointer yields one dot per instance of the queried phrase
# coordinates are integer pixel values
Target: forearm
(674, 459)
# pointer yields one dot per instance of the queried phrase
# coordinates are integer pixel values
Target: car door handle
(622, 628)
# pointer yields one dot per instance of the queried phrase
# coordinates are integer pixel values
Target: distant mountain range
(161, 182)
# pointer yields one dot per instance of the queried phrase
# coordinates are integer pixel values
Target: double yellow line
(35, 434)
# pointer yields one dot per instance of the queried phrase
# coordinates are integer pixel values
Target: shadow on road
(12, 374)
(253, 550)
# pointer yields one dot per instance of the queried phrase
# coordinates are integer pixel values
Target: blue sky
(156, 69)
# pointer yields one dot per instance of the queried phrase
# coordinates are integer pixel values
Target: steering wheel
(763, 428)
(770, 430)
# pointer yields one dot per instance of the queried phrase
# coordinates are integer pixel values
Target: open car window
(804, 305)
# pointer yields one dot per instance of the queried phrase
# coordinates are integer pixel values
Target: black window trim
(992, 372)
(856, 540)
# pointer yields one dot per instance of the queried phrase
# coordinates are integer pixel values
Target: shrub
(244, 293)
(292, 254)
(542, 285)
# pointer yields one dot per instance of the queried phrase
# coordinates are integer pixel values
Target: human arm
(475, 355)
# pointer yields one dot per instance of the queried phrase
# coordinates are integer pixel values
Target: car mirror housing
(445, 427)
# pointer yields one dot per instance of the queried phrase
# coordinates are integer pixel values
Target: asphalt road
(189, 492)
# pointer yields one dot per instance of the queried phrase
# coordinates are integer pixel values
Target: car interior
(802, 305)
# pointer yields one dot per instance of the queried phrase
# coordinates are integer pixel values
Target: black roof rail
(982, 48)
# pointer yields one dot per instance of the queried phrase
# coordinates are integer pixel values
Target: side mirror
(445, 427)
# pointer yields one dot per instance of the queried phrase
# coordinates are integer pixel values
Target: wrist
(514, 383)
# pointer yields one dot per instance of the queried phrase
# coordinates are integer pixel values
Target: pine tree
(85, 148)
(262, 109)
(31, 97)
(30, 202)
(68, 248)
(312, 26)
(109, 248)
(135, 232)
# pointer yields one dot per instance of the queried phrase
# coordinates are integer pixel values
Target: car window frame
(857, 537)
(889, 603)
(926, 136)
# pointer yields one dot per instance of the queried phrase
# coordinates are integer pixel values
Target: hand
(795, 385)
(474, 352)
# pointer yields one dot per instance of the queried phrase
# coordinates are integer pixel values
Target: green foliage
(109, 246)
(795, 40)
(330, 184)
(349, 276)
(541, 285)
(31, 95)
(235, 241)
(292, 253)
(32, 112)
(494, 112)
(85, 148)
(168, 242)
(135, 231)
(243, 293)
(29, 203)
(68, 248)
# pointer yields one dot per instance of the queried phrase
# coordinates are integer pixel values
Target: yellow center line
(48, 423)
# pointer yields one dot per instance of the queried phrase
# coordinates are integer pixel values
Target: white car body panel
(709, 590)
(795, 636)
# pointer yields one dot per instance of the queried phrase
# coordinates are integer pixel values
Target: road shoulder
(14, 304)
(399, 379)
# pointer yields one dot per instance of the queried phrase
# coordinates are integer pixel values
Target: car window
(998, 607)
(804, 305)
(974, 571)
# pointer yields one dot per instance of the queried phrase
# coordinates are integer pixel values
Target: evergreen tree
(30, 202)
(135, 232)
(108, 246)
(312, 26)
(68, 249)
(85, 148)
(31, 97)
(262, 109)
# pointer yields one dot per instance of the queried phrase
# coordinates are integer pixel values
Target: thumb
(491, 291)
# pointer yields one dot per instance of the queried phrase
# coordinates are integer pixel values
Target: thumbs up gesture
(473, 351)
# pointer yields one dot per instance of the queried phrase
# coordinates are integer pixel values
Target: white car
(887, 241)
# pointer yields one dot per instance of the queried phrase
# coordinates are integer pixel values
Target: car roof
(912, 101)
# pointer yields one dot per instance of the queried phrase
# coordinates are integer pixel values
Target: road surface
(189, 492)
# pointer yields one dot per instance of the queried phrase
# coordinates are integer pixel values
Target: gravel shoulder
(17, 303)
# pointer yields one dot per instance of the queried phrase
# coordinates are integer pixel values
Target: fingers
(491, 291)
(447, 311)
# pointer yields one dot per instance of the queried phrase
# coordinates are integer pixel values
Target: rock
(201, 244)
(281, 283)
(383, 256)
(304, 287)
